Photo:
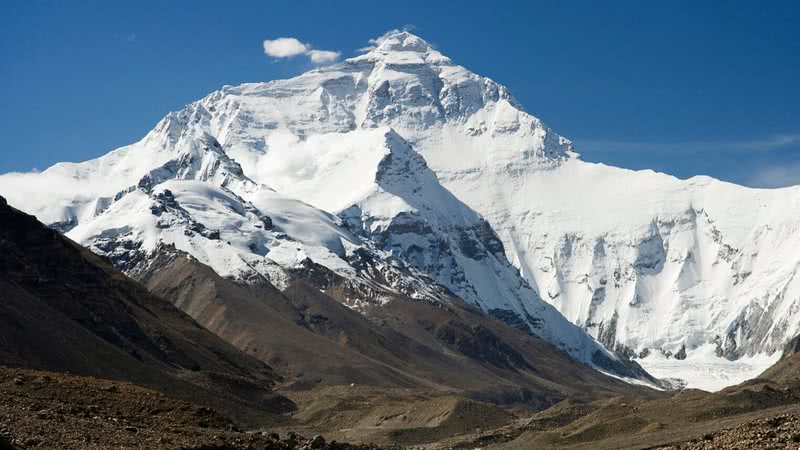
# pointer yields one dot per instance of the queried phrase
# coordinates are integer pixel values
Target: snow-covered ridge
(396, 203)
(388, 227)
(649, 264)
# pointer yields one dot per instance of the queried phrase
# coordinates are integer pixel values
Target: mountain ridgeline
(399, 176)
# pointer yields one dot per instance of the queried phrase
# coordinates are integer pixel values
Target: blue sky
(686, 88)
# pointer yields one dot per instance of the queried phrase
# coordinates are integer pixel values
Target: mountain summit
(400, 171)
(395, 42)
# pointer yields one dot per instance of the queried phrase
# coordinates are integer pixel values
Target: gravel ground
(44, 410)
(779, 432)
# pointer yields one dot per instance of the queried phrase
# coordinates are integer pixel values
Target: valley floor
(45, 410)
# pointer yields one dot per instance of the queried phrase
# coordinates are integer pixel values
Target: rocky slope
(443, 348)
(760, 413)
(65, 309)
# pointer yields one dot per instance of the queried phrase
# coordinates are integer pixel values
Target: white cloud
(288, 47)
(322, 56)
(285, 47)
(59, 187)
(288, 158)
(767, 144)
(772, 142)
(776, 176)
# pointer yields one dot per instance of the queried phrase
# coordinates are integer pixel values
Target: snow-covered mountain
(651, 265)
(363, 214)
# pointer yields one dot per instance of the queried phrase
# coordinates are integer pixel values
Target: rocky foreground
(774, 433)
(44, 410)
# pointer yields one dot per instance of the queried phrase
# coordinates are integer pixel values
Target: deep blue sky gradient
(682, 87)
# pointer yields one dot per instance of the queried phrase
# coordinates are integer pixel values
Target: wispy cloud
(767, 144)
(323, 56)
(131, 37)
(773, 142)
(775, 176)
(763, 161)
(288, 47)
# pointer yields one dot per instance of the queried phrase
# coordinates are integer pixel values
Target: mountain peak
(400, 46)
(401, 40)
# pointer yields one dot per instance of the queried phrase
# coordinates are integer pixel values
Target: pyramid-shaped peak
(402, 47)
(401, 40)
